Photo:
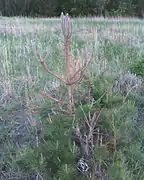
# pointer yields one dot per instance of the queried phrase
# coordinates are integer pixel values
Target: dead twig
(48, 71)
(50, 97)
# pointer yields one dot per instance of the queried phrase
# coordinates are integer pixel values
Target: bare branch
(48, 71)
(50, 97)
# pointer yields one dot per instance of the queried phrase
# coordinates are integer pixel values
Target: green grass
(118, 43)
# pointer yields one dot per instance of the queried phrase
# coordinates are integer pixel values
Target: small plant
(74, 68)
(138, 68)
(54, 152)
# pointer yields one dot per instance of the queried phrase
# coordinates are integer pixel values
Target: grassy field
(114, 43)
(120, 43)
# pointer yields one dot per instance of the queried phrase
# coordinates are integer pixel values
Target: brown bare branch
(50, 97)
(48, 71)
(69, 83)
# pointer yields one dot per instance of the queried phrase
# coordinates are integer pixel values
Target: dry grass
(21, 36)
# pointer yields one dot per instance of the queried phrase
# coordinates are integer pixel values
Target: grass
(45, 37)
(117, 44)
